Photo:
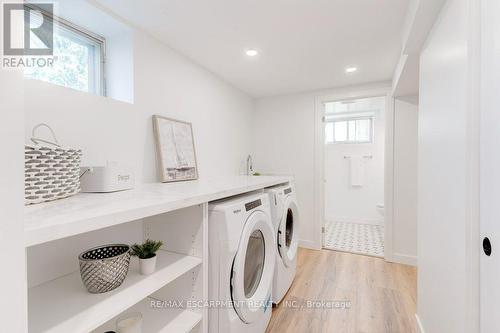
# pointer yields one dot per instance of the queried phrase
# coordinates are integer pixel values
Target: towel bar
(366, 156)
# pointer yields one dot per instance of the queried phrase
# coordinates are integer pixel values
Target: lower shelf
(156, 320)
(63, 305)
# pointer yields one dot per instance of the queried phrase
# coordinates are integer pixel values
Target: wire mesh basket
(104, 268)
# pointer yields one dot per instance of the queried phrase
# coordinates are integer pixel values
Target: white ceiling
(304, 44)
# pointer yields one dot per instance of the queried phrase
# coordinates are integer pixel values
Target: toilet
(380, 209)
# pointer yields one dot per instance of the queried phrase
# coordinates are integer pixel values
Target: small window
(349, 130)
(79, 57)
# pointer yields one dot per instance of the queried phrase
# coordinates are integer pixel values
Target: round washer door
(288, 232)
(253, 268)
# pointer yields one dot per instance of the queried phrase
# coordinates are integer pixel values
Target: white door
(490, 168)
(253, 268)
(288, 232)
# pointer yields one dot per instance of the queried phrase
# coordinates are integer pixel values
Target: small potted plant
(147, 255)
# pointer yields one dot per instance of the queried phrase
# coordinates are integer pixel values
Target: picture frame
(175, 149)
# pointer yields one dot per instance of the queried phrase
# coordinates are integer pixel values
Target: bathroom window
(349, 130)
(79, 56)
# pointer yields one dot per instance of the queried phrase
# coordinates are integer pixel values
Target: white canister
(129, 323)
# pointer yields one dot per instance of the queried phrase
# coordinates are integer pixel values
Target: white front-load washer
(285, 216)
(241, 264)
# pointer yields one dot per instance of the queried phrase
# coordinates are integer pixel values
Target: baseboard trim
(355, 220)
(307, 244)
(404, 259)
(420, 328)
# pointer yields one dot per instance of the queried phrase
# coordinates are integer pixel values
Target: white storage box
(103, 179)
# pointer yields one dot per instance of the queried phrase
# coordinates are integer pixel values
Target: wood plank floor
(382, 295)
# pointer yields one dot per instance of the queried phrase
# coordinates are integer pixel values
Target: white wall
(344, 202)
(445, 184)
(13, 280)
(284, 142)
(404, 233)
(13, 299)
(167, 84)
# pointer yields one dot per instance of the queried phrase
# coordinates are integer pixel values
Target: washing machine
(285, 217)
(241, 264)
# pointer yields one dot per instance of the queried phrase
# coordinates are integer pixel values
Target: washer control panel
(253, 204)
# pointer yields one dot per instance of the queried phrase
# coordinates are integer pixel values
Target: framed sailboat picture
(175, 147)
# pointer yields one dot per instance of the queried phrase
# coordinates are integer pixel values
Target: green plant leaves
(146, 250)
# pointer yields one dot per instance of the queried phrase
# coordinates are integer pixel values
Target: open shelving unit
(173, 320)
(177, 214)
(63, 305)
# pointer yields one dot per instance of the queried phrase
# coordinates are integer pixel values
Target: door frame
(379, 90)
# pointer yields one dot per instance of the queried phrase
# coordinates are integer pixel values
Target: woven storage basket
(51, 172)
(105, 267)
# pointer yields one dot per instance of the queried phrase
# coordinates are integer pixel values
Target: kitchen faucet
(249, 165)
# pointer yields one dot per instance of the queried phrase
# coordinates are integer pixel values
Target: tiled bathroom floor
(357, 238)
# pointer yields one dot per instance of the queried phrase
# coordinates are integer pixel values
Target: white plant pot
(147, 266)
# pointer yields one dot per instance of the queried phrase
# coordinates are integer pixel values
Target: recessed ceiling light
(351, 69)
(252, 52)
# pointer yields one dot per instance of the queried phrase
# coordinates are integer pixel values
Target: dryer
(241, 264)
(285, 217)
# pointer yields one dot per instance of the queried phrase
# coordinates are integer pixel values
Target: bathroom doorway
(353, 189)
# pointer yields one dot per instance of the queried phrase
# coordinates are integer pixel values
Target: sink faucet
(249, 165)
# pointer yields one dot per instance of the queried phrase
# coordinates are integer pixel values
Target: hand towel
(357, 170)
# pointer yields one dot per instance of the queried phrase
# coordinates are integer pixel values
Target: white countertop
(89, 211)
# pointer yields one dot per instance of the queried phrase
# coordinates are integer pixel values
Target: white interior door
(490, 168)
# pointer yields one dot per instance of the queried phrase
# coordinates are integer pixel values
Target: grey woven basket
(51, 171)
(104, 268)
